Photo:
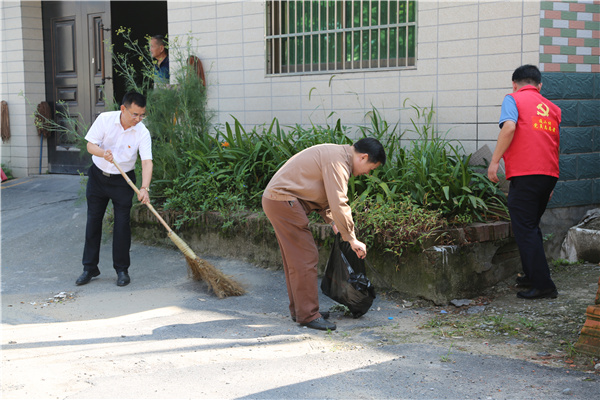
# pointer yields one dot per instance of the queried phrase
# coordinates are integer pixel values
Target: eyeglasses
(135, 115)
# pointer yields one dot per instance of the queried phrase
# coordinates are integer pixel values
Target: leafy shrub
(395, 226)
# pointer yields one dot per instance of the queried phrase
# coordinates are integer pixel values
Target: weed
(446, 357)
(561, 262)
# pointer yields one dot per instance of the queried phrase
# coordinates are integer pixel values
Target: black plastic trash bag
(345, 280)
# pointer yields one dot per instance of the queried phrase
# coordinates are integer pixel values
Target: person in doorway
(529, 143)
(120, 136)
(158, 51)
(315, 179)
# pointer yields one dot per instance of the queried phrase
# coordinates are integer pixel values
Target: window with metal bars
(323, 36)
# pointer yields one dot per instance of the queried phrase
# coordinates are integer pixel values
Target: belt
(106, 173)
(109, 175)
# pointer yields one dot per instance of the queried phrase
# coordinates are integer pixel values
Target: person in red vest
(529, 143)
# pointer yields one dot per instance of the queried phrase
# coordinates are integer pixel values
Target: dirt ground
(543, 331)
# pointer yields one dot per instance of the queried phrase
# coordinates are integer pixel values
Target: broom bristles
(202, 270)
(220, 284)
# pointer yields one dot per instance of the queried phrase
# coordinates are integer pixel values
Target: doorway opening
(146, 18)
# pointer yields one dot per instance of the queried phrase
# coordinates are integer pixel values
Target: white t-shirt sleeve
(146, 146)
(96, 132)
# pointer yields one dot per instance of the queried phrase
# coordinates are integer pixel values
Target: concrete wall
(22, 83)
(466, 54)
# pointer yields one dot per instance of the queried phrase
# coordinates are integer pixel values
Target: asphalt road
(165, 336)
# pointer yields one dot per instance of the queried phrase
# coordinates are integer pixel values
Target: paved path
(165, 337)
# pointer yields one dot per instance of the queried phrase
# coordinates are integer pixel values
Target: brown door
(75, 55)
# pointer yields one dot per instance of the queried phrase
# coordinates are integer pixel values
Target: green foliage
(395, 225)
(228, 171)
(561, 262)
(7, 171)
(138, 79)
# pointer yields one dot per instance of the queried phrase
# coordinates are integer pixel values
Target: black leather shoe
(123, 278)
(534, 293)
(320, 324)
(324, 314)
(523, 281)
(86, 277)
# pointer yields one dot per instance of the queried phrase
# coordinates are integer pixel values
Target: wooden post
(589, 339)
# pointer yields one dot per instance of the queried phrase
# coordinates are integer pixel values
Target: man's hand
(359, 248)
(493, 172)
(108, 156)
(143, 196)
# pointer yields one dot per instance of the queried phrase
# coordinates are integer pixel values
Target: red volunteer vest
(535, 145)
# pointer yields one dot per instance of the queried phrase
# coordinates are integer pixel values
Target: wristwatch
(146, 189)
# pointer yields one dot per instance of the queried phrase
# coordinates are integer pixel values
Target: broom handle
(162, 221)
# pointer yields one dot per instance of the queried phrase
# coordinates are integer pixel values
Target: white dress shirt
(108, 133)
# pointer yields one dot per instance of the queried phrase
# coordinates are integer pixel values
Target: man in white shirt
(120, 136)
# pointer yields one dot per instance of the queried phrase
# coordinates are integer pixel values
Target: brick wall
(570, 61)
(570, 36)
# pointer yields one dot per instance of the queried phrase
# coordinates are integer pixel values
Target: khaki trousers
(300, 256)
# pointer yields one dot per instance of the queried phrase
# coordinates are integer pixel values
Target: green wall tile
(548, 5)
(596, 191)
(568, 50)
(576, 140)
(545, 40)
(567, 67)
(546, 23)
(545, 58)
(589, 113)
(578, 86)
(591, 59)
(588, 166)
(567, 165)
(572, 193)
(596, 86)
(569, 112)
(553, 85)
(596, 139)
(592, 25)
(591, 42)
(569, 33)
(569, 15)
(592, 8)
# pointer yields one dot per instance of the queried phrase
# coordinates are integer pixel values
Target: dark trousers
(528, 197)
(100, 189)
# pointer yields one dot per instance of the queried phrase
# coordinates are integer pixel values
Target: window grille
(324, 36)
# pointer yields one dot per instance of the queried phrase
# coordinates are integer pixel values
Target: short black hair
(527, 74)
(161, 40)
(134, 98)
(373, 148)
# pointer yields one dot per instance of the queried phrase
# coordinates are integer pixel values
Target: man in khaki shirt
(316, 179)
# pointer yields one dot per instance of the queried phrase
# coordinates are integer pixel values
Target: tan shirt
(318, 178)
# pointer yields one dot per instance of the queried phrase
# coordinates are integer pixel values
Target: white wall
(22, 83)
(467, 52)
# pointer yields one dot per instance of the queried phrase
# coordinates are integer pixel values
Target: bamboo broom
(199, 269)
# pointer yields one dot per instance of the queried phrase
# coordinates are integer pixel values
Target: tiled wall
(578, 96)
(570, 59)
(22, 83)
(570, 36)
(467, 52)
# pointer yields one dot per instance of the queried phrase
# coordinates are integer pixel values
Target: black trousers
(528, 197)
(100, 189)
